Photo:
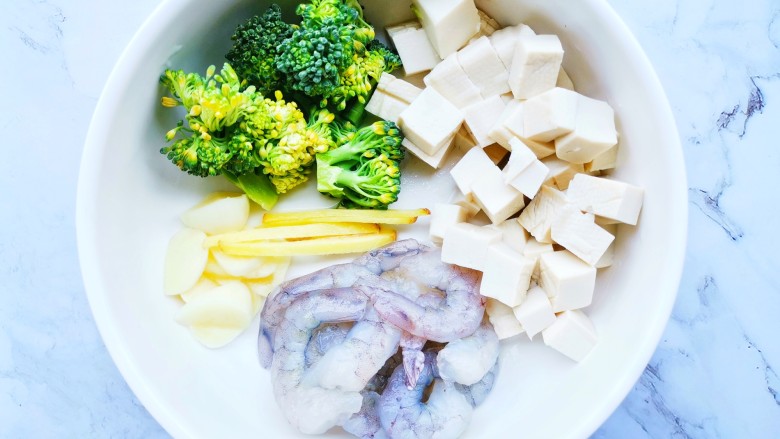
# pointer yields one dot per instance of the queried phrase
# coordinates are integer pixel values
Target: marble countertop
(715, 372)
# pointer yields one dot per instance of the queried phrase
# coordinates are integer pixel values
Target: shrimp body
(403, 415)
(467, 360)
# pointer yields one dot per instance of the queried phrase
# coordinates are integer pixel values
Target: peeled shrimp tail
(413, 357)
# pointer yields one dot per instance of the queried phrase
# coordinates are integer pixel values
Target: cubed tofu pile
(553, 212)
(221, 292)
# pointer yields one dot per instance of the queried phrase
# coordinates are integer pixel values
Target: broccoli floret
(214, 105)
(256, 45)
(364, 171)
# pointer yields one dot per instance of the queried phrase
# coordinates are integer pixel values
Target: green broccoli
(262, 145)
(256, 45)
(365, 170)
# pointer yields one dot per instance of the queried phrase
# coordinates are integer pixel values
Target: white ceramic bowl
(130, 197)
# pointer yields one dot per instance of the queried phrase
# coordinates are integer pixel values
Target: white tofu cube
(434, 161)
(607, 198)
(503, 319)
(497, 199)
(498, 132)
(520, 158)
(452, 82)
(594, 132)
(568, 281)
(480, 117)
(484, 68)
(472, 166)
(503, 41)
(398, 88)
(602, 162)
(466, 245)
(608, 257)
(430, 121)
(535, 313)
(530, 179)
(468, 204)
(506, 275)
(464, 141)
(450, 24)
(513, 235)
(564, 81)
(538, 216)
(572, 334)
(514, 123)
(561, 172)
(534, 249)
(414, 48)
(444, 216)
(550, 114)
(579, 234)
(535, 65)
(385, 106)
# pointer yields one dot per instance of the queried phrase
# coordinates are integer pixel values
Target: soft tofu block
(434, 161)
(513, 234)
(444, 216)
(430, 121)
(550, 114)
(520, 158)
(579, 234)
(514, 123)
(535, 65)
(484, 68)
(466, 244)
(499, 132)
(534, 249)
(572, 334)
(538, 216)
(568, 281)
(415, 49)
(561, 172)
(530, 179)
(608, 257)
(506, 275)
(604, 161)
(385, 106)
(452, 82)
(503, 319)
(535, 313)
(606, 198)
(503, 41)
(480, 117)
(450, 24)
(467, 203)
(594, 132)
(497, 199)
(398, 88)
(472, 166)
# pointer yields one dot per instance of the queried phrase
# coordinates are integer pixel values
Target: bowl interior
(130, 198)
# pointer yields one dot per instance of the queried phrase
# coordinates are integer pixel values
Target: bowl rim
(87, 189)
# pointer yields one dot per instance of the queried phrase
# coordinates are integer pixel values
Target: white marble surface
(716, 372)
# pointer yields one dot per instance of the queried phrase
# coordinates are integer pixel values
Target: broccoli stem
(357, 111)
(257, 187)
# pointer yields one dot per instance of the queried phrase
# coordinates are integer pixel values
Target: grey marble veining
(715, 373)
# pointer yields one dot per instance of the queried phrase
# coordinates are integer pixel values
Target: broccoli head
(364, 171)
(256, 45)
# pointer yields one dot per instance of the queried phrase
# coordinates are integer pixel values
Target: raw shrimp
(467, 360)
(312, 410)
(350, 364)
(390, 256)
(365, 423)
(477, 392)
(456, 315)
(336, 276)
(323, 338)
(403, 415)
